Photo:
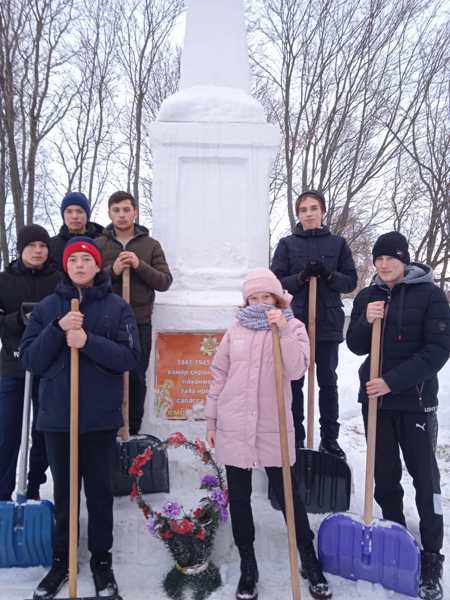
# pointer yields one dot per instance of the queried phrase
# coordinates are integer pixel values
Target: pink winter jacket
(242, 402)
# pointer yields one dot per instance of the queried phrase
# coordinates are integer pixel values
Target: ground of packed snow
(141, 561)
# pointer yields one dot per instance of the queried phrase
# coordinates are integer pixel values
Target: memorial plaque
(183, 374)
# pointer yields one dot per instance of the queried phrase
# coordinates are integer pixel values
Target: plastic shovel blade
(384, 552)
(324, 481)
(26, 533)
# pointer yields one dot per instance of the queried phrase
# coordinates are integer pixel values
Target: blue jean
(11, 411)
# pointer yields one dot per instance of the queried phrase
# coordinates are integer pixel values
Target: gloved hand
(26, 309)
(316, 268)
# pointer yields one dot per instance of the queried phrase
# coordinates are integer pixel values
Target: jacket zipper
(388, 301)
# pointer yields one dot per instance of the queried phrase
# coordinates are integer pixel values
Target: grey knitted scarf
(254, 316)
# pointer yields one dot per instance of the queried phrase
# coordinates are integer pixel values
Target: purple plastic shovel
(376, 550)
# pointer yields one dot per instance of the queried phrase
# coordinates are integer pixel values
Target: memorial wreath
(189, 535)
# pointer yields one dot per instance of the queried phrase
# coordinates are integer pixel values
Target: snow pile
(213, 104)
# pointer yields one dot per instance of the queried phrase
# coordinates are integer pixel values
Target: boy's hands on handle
(211, 438)
(71, 321)
(377, 387)
(375, 310)
(124, 260)
(76, 338)
(275, 317)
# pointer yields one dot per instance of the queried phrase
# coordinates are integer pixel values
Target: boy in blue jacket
(105, 332)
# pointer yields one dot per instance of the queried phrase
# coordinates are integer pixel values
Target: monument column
(213, 151)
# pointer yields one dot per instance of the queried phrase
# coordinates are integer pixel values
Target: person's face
(34, 255)
(75, 219)
(310, 213)
(391, 270)
(262, 298)
(82, 268)
(122, 215)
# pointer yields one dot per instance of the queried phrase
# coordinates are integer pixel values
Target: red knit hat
(81, 243)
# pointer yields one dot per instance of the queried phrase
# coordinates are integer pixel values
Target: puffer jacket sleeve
(220, 368)
(155, 273)
(294, 344)
(435, 351)
(120, 354)
(359, 333)
(345, 278)
(41, 344)
(281, 268)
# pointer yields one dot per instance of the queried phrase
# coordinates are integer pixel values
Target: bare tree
(145, 29)
(342, 76)
(31, 52)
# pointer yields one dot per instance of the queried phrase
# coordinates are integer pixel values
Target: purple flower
(223, 515)
(152, 526)
(209, 482)
(219, 497)
(171, 510)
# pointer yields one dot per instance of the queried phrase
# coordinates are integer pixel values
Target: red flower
(182, 526)
(202, 451)
(139, 462)
(134, 491)
(198, 512)
(176, 440)
(201, 535)
(167, 535)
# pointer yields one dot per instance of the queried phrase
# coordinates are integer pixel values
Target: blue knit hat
(78, 199)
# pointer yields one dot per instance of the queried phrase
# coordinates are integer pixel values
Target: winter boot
(104, 580)
(330, 446)
(33, 492)
(430, 587)
(54, 580)
(312, 571)
(247, 588)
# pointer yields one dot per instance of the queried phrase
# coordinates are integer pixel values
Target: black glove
(26, 309)
(316, 268)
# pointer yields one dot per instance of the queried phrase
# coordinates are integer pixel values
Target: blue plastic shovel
(26, 526)
(376, 550)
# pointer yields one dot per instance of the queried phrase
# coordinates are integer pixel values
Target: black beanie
(315, 194)
(392, 244)
(77, 199)
(31, 233)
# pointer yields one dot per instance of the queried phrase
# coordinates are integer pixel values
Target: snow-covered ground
(141, 561)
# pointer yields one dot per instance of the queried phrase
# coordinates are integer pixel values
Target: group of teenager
(86, 262)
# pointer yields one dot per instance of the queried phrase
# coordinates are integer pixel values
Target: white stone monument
(213, 150)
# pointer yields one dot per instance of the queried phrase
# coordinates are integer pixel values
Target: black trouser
(11, 412)
(95, 467)
(138, 386)
(326, 365)
(416, 435)
(239, 492)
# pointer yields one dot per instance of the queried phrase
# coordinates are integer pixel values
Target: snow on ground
(141, 562)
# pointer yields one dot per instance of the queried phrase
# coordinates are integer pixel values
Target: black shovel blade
(324, 481)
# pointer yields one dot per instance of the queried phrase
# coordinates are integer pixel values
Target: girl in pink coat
(243, 420)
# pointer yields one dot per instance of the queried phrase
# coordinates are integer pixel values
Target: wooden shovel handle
(286, 469)
(372, 424)
(125, 429)
(73, 522)
(312, 302)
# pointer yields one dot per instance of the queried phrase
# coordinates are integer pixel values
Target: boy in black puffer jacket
(26, 280)
(415, 346)
(105, 332)
(312, 250)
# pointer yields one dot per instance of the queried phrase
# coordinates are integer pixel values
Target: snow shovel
(324, 480)
(156, 474)
(26, 526)
(376, 550)
(287, 482)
